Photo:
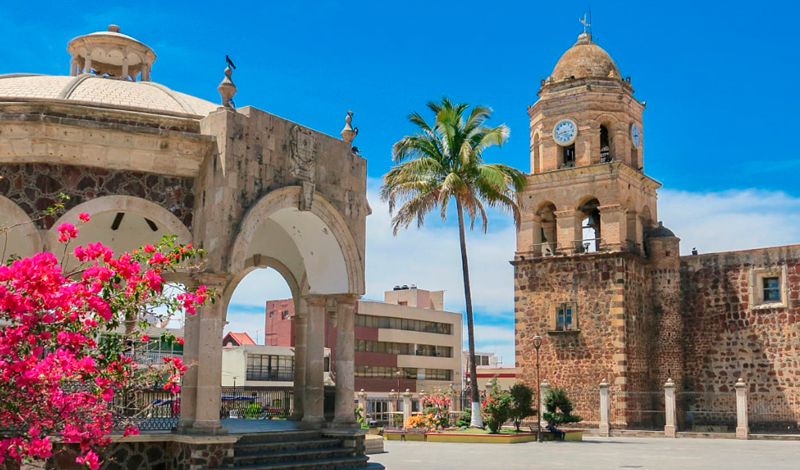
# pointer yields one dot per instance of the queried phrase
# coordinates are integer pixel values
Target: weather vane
(586, 21)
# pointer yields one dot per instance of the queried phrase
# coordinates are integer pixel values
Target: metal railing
(774, 412)
(256, 402)
(637, 410)
(706, 411)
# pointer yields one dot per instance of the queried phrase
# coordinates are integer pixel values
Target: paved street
(595, 453)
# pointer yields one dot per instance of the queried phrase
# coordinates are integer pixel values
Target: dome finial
(586, 36)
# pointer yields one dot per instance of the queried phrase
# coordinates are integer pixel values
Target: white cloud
(730, 220)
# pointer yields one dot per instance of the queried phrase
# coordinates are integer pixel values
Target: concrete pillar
(670, 429)
(544, 389)
(568, 228)
(125, 68)
(455, 401)
(613, 227)
(209, 362)
(345, 361)
(605, 426)
(300, 323)
(314, 400)
(406, 406)
(742, 425)
(191, 351)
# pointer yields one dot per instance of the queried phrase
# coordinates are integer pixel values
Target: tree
(558, 408)
(521, 403)
(64, 367)
(443, 162)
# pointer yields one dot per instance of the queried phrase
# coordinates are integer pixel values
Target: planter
(403, 436)
(414, 436)
(482, 438)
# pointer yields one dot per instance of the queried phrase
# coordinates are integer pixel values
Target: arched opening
(590, 227)
(121, 223)
(605, 144)
(567, 156)
(18, 235)
(549, 233)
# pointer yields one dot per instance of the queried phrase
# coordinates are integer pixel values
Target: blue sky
(718, 78)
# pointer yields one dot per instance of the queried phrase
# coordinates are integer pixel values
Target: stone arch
(547, 226)
(589, 224)
(104, 209)
(318, 244)
(297, 287)
(21, 238)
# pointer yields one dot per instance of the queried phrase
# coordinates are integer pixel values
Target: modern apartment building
(405, 342)
(258, 365)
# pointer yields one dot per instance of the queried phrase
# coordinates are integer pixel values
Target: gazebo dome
(585, 59)
(103, 92)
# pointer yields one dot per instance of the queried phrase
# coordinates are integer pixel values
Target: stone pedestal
(345, 364)
(605, 427)
(406, 406)
(544, 389)
(742, 424)
(670, 428)
(314, 399)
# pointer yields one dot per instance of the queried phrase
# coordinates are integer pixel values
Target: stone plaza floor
(594, 453)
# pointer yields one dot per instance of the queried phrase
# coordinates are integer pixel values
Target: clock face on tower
(565, 132)
(636, 137)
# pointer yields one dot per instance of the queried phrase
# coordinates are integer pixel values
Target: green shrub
(253, 411)
(465, 418)
(521, 403)
(558, 408)
(496, 408)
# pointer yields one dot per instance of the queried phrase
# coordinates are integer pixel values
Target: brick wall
(35, 186)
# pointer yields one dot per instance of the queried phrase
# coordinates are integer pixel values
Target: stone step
(278, 436)
(331, 463)
(253, 448)
(269, 457)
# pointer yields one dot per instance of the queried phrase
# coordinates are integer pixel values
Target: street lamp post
(397, 375)
(537, 343)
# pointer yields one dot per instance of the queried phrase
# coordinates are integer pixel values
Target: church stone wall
(35, 187)
(727, 335)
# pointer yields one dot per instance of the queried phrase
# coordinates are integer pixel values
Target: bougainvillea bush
(436, 407)
(68, 343)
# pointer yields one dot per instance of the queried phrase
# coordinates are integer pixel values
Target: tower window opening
(590, 237)
(605, 145)
(568, 156)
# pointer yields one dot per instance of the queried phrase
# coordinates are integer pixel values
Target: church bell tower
(596, 279)
(587, 190)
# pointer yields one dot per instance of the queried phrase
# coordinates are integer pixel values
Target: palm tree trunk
(476, 421)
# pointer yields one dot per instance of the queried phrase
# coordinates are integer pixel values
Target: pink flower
(83, 216)
(145, 338)
(66, 232)
(149, 249)
(130, 431)
(90, 460)
(180, 341)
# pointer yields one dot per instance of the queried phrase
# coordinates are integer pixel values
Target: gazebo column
(300, 327)
(191, 351)
(314, 399)
(345, 361)
(209, 364)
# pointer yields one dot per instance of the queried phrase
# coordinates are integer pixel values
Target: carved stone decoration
(302, 161)
(307, 196)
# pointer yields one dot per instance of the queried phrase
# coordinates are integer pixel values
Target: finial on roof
(113, 28)
(586, 36)
(349, 133)
(227, 89)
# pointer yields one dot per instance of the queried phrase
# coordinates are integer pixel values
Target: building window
(771, 289)
(372, 321)
(263, 367)
(564, 318)
(568, 156)
(768, 287)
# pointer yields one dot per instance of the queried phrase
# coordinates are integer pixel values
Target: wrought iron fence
(256, 402)
(636, 410)
(774, 412)
(149, 410)
(706, 411)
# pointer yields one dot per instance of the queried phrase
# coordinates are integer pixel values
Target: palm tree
(442, 162)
